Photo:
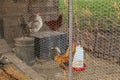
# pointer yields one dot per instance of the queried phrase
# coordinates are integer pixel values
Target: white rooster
(35, 23)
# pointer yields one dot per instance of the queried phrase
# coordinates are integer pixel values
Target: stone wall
(11, 10)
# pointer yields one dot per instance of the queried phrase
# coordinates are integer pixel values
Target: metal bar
(70, 14)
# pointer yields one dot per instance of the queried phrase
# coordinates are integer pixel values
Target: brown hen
(55, 24)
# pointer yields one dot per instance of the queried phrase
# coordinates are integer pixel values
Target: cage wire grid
(94, 23)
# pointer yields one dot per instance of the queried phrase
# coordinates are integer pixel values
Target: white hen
(36, 23)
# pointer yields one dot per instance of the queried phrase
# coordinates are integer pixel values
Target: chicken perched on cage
(35, 23)
(62, 59)
(55, 24)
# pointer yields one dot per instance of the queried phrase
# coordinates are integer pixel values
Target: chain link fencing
(96, 25)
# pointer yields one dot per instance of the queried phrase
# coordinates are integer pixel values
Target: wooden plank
(23, 67)
(15, 73)
(10, 72)
(3, 76)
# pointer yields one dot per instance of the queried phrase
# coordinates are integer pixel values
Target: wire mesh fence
(96, 28)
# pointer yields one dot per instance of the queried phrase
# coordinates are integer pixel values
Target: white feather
(58, 49)
(36, 24)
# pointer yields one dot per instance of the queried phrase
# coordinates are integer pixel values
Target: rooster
(35, 23)
(62, 59)
(55, 24)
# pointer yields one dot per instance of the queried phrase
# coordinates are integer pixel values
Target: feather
(55, 24)
(36, 23)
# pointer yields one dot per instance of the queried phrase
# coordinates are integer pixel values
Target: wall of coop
(11, 10)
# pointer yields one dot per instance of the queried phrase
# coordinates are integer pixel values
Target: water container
(78, 59)
(25, 49)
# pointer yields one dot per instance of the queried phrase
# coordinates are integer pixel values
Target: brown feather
(55, 24)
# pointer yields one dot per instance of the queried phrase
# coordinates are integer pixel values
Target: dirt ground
(96, 69)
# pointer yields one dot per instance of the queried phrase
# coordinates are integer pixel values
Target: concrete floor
(4, 47)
